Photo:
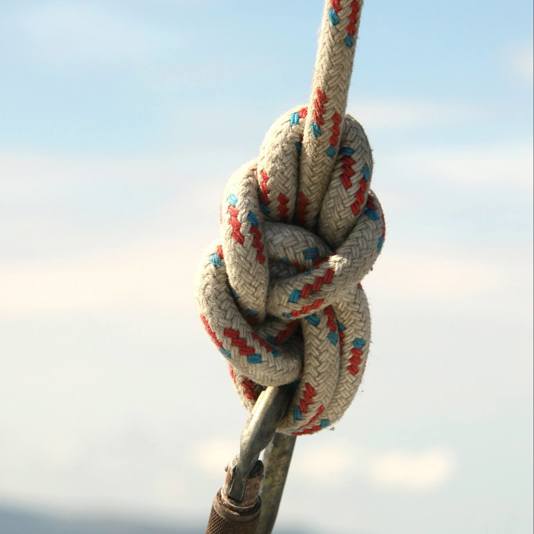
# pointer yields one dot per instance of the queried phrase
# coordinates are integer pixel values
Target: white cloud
(154, 265)
(160, 275)
(504, 165)
(333, 462)
(67, 468)
(152, 275)
(325, 464)
(449, 276)
(521, 60)
(397, 114)
(412, 470)
(30, 175)
(214, 455)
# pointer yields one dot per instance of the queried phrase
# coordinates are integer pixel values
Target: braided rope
(281, 297)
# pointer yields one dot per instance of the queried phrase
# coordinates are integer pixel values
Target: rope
(281, 297)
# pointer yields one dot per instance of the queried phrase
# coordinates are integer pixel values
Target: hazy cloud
(335, 461)
(470, 165)
(521, 61)
(405, 113)
(412, 470)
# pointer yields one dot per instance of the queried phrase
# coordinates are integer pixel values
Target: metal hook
(238, 503)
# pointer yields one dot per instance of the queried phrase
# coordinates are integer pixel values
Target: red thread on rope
(211, 333)
(302, 205)
(264, 190)
(353, 17)
(319, 103)
(341, 338)
(330, 319)
(262, 342)
(318, 282)
(312, 429)
(307, 309)
(237, 341)
(286, 333)
(359, 197)
(347, 172)
(355, 361)
(257, 243)
(336, 5)
(336, 129)
(283, 210)
(250, 389)
(307, 397)
(236, 225)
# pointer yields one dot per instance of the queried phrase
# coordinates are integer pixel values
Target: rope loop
(300, 227)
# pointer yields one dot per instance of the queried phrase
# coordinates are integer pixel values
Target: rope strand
(328, 102)
(281, 297)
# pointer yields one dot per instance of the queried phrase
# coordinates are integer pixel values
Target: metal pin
(259, 431)
(237, 507)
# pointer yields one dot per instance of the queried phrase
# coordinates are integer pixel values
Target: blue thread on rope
(216, 260)
(225, 353)
(232, 199)
(349, 41)
(310, 253)
(334, 17)
(333, 337)
(313, 319)
(264, 209)
(297, 414)
(294, 297)
(380, 243)
(366, 172)
(331, 151)
(358, 343)
(254, 358)
(324, 423)
(252, 219)
(316, 129)
(372, 214)
(346, 151)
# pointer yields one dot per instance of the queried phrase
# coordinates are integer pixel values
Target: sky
(120, 123)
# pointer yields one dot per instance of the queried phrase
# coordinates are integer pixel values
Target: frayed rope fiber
(281, 297)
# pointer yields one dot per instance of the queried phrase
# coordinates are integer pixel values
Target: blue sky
(119, 125)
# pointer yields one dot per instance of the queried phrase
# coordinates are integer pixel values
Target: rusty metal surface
(228, 519)
(237, 507)
(276, 459)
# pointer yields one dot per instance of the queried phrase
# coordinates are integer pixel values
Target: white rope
(281, 297)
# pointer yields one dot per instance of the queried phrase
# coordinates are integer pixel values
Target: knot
(281, 297)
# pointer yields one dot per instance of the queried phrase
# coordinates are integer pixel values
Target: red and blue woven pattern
(281, 297)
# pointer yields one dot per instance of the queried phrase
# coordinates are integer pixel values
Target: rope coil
(300, 228)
